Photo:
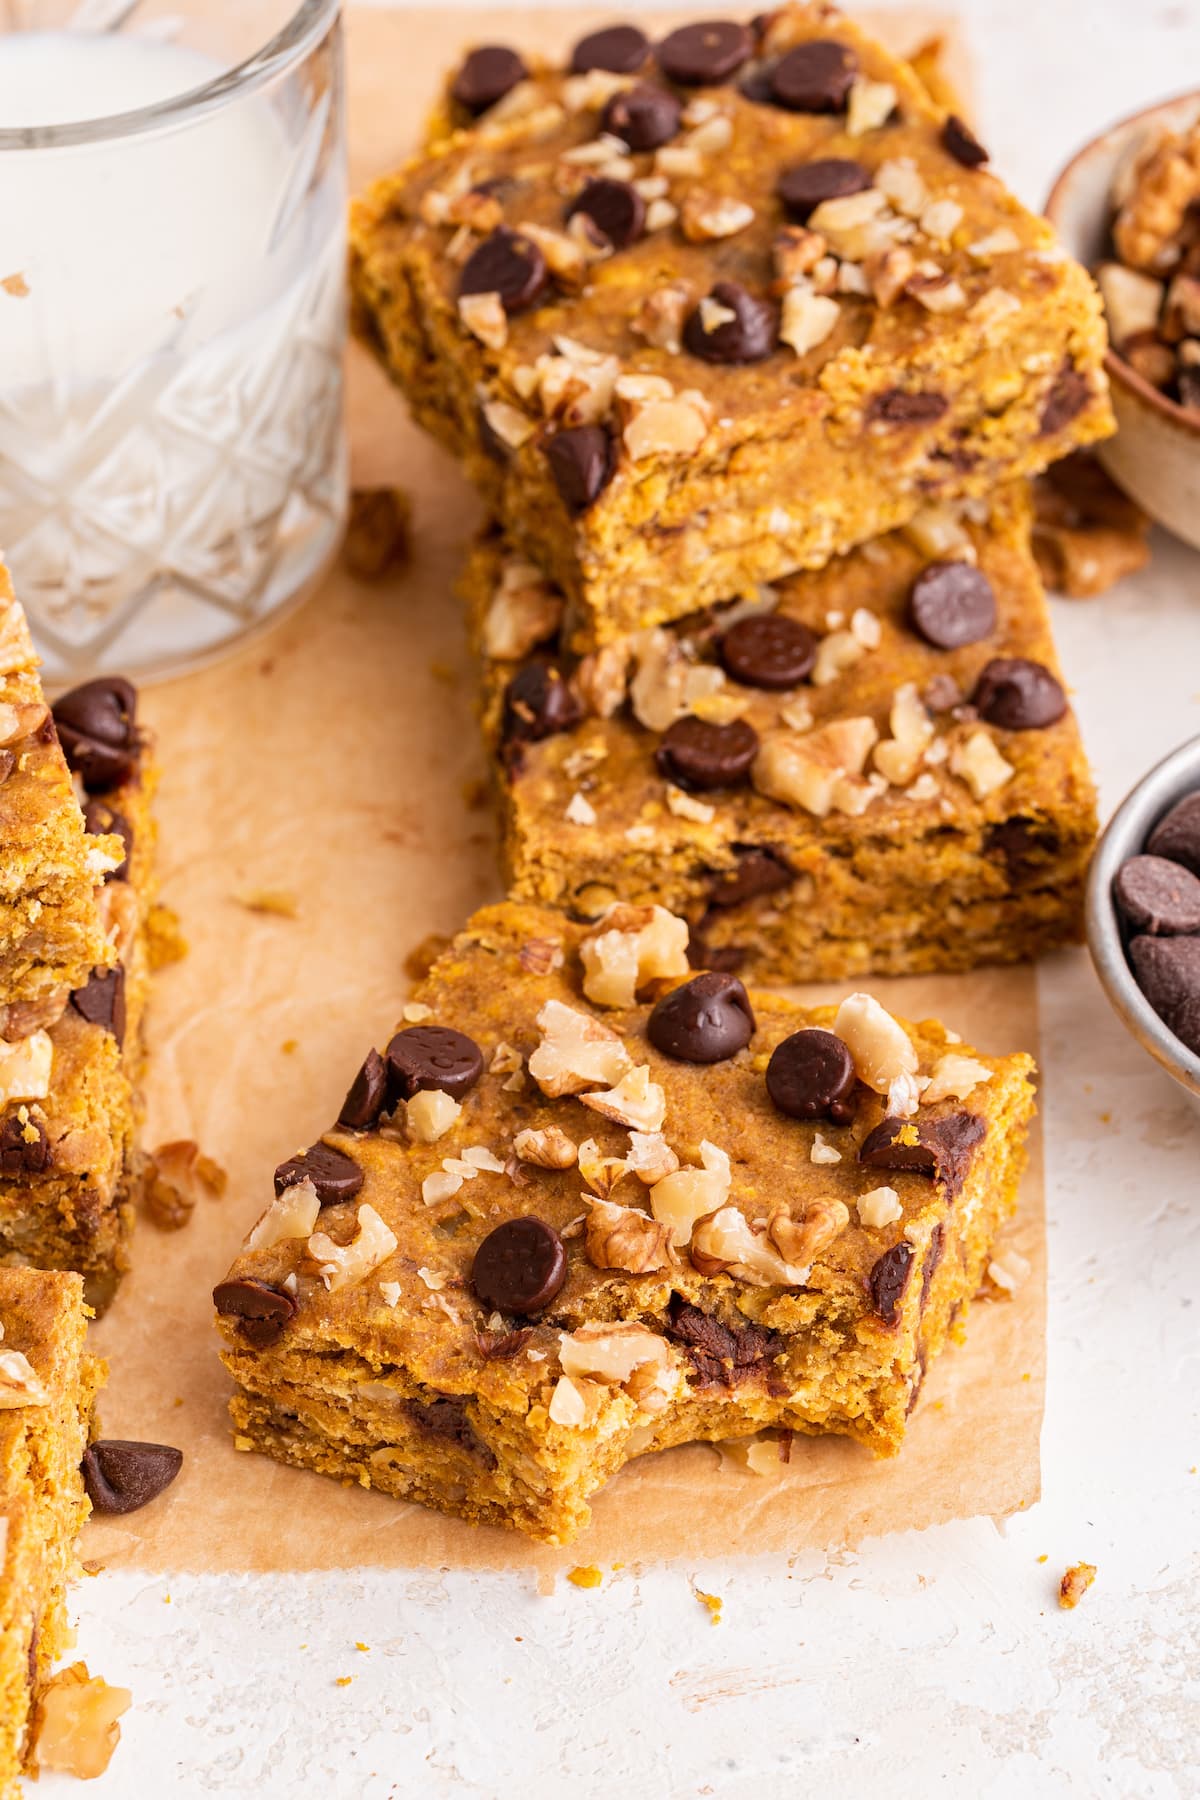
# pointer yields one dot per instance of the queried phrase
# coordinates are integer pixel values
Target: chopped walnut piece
(623, 1237)
(725, 1243)
(1009, 1270)
(836, 652)
(577, 1051)
(602, 679)
(899, 181)
(1075, 1584)
(979, 763)
(483, 315)
(939, 532)
(575, 1403)
(686, 806)
(75, 1725)
(844, 223)
(878, 1208)
(16, 645)
(22, 721)
(342, 1264)
(430, 1114)
(815, 770)
(954, 1077)
(549, 1148)
(936, 291)
(23, 1017)
(993, 308)
(20, 1384)
(898, 758)
(179, 1175)
(507, 422)
(795, 253)
(601, 1173)
(704, 217)
(686, 1195)
(1164, 184)
(541, 956)
(888, 273)
(823, 1152)
(806, 319)
(801, 1241)
(292, 1214)
(25, 1067)
(660, 318)
(628, 947)
(635, 1101)
(940, 220)
(650, 1157)
(884, 1055)
(871, 104)
(622, 1354)
(564, 253)
(659, 422)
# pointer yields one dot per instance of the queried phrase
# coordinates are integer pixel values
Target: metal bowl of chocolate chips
(1143, 913)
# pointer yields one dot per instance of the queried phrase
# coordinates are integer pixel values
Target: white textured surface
(932, 1663)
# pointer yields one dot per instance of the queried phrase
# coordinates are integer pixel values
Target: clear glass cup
(172, 321)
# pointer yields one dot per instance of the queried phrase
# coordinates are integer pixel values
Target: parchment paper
(334, 761)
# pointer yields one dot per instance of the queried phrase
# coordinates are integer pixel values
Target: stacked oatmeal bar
(751, 358)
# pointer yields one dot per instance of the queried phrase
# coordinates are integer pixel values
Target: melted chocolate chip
(121, 1476)
(615, 208)
(940, 1147)
(367, 1096)
(488, 73)
(582, 464)
(102, 1001)
(520, 1266)
(707, 1020)
(618, 49)
(335, 1175)
(768, 650)
(433, 1056)
(937, 1243)
(1158, 897)
(538, 703)
(888, 1280)
(1177, 834)
(697, 754)
(1018, 695)
(748, 336)
(962, 144)
(952, 604)
(722, 1355)
(97, 728)
(899, 406)
(261, 1310)
(704, 55)
(804, 186)
(1067, 399)
(506, 264)
(446, 1417)
(102, 820)
(24, 1146)
(811, 1076)
(1024, 845)
(759, 871)
(644, 117)
(815, 77)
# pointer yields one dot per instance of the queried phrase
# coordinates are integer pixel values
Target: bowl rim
(1125, 835)
(1117, 368)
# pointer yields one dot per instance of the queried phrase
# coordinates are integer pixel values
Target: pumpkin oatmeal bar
(586, 1204)
(722, 308)
(871, 768)
(69, 1162)
(51, 933)
(47, 1393)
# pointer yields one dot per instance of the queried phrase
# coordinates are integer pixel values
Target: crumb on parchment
(713, 1602)
(277, 902)
(588, 1576)
(1075, 1584)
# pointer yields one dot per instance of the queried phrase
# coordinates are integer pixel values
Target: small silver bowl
(1125, 836)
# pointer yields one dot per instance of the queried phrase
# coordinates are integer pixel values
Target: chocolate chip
(1068, 397)
(695, 753)
(538, 703)
(811, 1076)
(703, 55)
(899, 406)
(618, 49)
(367, 1096)
(1168, 972)
(768, 650)
(644, 117)
(486, 76)
(506, 264)
(97, 728)
(952, 604)
(1157, 896)
(520, 1266)
(122, 1477)
(615, 208)
(502, 1346)
(1018, 694)
(261, 1310)
(722, 1355)
(804, 186)
(759, 871)
(335, 1175)
(937, 1245)
(707, 1020)
(424, 1057)
(1024, 845)
(940, 1147)
(445, 1417)
(24, 1146)
(749, 336)
(961, 142)
(102, 820)
(1177, 834)
(102, 1001)
(582, 464)
(888, 1280)
(815, 77)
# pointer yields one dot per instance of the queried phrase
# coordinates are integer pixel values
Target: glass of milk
(172, 321)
